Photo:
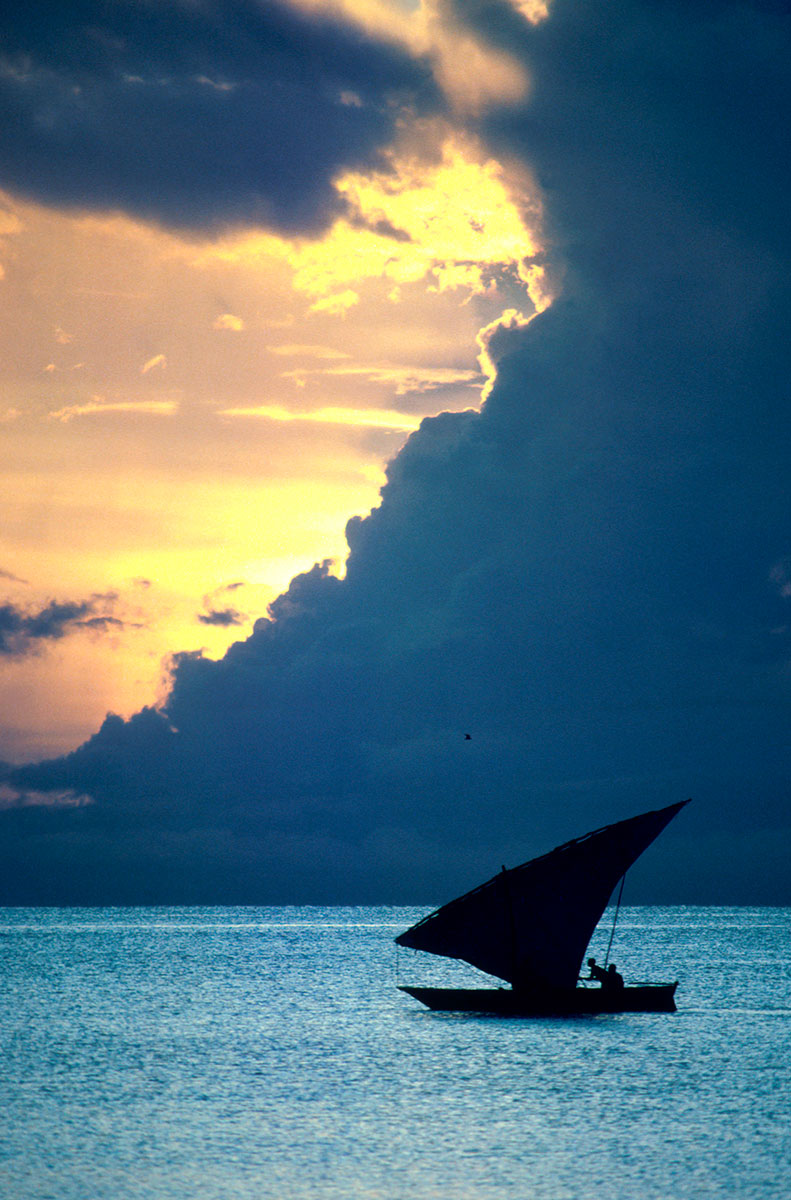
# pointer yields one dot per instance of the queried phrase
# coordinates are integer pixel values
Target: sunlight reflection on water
(242, 1054)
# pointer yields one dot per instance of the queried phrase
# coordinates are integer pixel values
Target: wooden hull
(654, 997)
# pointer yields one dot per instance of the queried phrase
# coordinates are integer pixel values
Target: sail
(531, 925)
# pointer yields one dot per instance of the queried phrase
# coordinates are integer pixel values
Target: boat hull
(655, 997)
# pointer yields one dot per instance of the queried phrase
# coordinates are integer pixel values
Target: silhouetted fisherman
(613, 980)
(596, 972)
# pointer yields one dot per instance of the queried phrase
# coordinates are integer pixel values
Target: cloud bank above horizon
(588, 575)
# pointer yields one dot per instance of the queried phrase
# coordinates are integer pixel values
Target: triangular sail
(531, 925)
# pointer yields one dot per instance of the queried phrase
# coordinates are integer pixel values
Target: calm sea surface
(243, 1054)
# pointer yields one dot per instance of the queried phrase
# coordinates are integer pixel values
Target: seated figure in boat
(595, 972)
(613, 979)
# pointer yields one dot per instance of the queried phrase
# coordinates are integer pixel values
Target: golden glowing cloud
(336, 303)
(471, 72)
(158, 360)
(473, 75)
(443, 214)
(459, 208)
(249, 477)
(368, 418)
(454, 222)
(400, 21)
(402, 379)
(535, 11)
(510, 319)
(296, 350)
(230, 322)
(156, 408)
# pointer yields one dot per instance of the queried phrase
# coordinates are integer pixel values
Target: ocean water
(249, 1054)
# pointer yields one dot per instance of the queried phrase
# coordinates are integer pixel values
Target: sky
(376, 373)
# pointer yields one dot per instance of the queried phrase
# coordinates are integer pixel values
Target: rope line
(614, 920)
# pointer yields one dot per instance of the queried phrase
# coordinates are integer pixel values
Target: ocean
(249, 1054)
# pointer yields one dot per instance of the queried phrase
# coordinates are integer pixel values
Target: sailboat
(530, 926)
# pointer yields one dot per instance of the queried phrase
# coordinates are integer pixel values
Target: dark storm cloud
(589, 576)
(217, 613)
(104, 624)
(616, 125)
(193, 115)
(23, 631)
(221, 616)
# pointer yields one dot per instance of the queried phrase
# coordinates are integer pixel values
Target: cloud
(221, 616)
(492, 343)
(337, 303)
(23, 631)
(441, 209)
(98, 405)
(587, 575)
(51, 368)
(297, 350)
(473, 73)
(11, 577)
(401, 379)
(199, 115)
(11, 797)
(230, 322)
(780, 575)
(103, 624)
(9, 223)
(438, 211)
(158, 360)
(364, 418)
(535, 11)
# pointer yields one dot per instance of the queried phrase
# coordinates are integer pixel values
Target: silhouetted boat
(530, 926)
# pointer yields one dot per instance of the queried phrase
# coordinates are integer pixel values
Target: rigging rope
(614, 920)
